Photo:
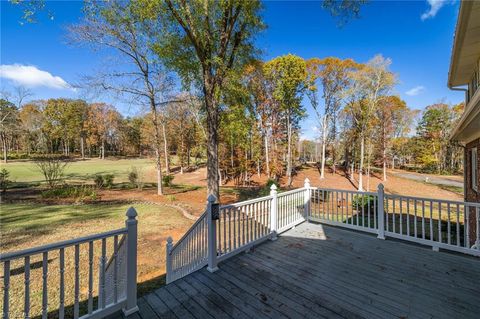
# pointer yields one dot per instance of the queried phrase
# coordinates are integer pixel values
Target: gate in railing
(116, 277)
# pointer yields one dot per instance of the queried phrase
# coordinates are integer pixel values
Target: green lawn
(28, 225)
(83, 171)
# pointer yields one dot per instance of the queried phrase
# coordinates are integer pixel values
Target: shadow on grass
(143, 288)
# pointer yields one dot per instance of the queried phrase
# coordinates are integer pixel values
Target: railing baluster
(115, 269)
(45, 285)
(26, 308)
(368, 213)
(225, 249)
(394, 216)
(102, 270)
(449, 239)
(466, 235)
(401, 216)
(431, 220)
(423, 219)
(408, 217)
(387, 225)
(439, 222)
(90, 277)
(6, 289)
(61, 309)
(458, 225)
(415, 220)
(77, 282)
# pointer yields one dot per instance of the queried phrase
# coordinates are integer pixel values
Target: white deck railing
(222, 232)
(116, 277)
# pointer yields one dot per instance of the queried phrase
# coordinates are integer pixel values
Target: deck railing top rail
(61, 244)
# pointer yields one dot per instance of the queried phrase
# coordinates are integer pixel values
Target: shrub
(103, 180)
(135, 178)
(78, 193)
(4, 181)
(167, 180)
(108, 180)
(363, 201)
(52, 168)
(98, 180)
(265, 191)
(171, 198)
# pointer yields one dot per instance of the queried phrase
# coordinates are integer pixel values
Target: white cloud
(415, 91)
(31, 76)
(435, 5)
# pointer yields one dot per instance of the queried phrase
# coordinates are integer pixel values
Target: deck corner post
(132, 232)
(306, 205)
(273, 212)
(212, 235)
(381, 212)
(169, 259)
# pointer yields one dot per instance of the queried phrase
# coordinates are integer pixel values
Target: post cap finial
(169, 240)
(307, 181)
(211, 198)
(273, 187)
(131, 213)
(380, 186)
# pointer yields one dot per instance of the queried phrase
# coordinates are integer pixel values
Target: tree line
(246, 112)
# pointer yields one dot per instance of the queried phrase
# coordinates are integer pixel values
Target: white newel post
(131, 223)
(212, 233)
(381, 212)
(306, 203)
(169, 258)
(273, 212)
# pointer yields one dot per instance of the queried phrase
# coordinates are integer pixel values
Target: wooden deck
(317, 271)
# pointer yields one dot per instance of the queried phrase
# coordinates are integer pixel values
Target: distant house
(465, 71)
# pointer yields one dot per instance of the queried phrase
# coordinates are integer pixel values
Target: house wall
(471, 195)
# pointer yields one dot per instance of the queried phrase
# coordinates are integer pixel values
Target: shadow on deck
(317, 271)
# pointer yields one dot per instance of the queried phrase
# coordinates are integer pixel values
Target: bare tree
(133, 72)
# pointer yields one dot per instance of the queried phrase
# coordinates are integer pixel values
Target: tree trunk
(289, 152)
(165, 149)
(103, 149)
(156, 146)
(384, 153)
(213, 186)
(5, 151)
(324, 145)
(267, 159)
(360, 169)
(82, 147)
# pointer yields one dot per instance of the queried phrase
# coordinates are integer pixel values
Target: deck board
(318, 271)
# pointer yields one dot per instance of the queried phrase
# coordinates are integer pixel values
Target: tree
(102, 125)
(203, 42)
(123, 28)
(369, 85)
(332, 73)
(8, 125)
(288, 74)
(389, 110)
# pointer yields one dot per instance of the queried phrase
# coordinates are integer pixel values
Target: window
(474, 167)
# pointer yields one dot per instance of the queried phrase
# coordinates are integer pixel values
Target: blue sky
(416, 35)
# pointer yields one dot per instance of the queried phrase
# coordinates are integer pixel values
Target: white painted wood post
(132, 224)
(273, 212)
(306, 202)
(212, 234)
(381, 212)
(169, 259)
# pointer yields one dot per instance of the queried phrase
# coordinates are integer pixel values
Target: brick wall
(471, 195)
